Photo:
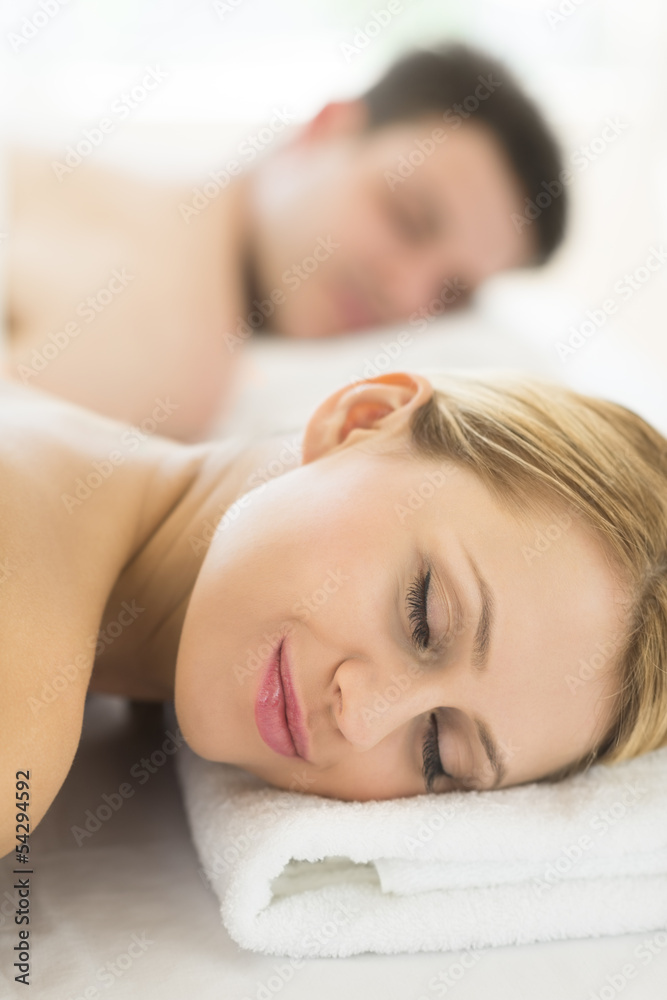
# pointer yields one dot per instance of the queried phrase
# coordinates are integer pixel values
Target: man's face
(355, 229)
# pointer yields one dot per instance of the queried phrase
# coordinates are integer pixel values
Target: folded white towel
(303, 875)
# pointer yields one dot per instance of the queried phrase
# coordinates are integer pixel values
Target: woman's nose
(375, 701)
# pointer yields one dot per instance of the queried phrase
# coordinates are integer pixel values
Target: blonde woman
(458, 583)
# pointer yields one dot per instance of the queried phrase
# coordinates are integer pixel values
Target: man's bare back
(120, 300)
(113, 301)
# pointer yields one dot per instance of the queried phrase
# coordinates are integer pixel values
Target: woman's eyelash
(416, 607)
(432, 768)
(417, 613)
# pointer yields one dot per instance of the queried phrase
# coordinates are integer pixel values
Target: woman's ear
(384, 404)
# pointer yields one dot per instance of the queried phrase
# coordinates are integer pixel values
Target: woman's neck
(190, 490)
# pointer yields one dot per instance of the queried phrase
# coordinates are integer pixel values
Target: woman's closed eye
(416, 605)
(432, 768)
(417, 608)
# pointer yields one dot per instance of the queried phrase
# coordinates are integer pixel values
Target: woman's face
(389, 579)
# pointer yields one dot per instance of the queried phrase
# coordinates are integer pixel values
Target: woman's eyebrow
(482, 639)
(480, 659)
(491, 750)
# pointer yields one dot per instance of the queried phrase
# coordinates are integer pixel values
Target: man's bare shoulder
(94, 194)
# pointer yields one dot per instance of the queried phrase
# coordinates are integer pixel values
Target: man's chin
(321, 331)
(302, 331)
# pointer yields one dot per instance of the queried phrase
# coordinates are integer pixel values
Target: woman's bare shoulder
(45, 439)
(57, 564)
(60, 544)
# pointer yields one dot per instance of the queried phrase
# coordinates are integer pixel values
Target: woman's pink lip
(277, 713)
(293, 712)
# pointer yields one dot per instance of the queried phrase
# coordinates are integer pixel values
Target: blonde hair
(531, 442)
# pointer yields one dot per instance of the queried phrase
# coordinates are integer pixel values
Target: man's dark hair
(434, 81)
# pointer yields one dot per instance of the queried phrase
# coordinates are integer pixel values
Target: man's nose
(374, 700)
(418, 284)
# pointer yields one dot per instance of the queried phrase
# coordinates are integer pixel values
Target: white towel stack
(303, 875)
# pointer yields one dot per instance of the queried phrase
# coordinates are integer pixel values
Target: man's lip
(356, 313)
(277, 712)
(295, 721)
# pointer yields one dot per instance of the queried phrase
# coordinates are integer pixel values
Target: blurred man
(386, 208)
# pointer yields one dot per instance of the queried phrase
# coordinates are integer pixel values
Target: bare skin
(68, 569)
(174, 291)
(120, 590)
(118, 295)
